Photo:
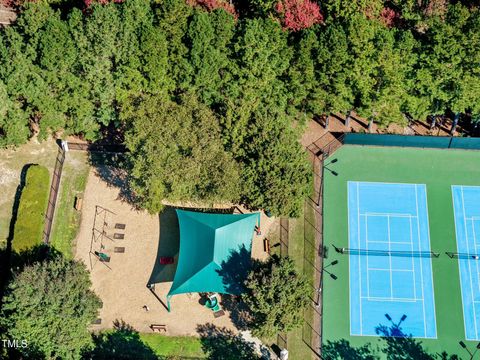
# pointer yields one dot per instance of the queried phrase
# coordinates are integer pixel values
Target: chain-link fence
(52, 198)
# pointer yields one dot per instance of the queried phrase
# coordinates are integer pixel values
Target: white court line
(359, 260)
(366, 257)
(475, 245)
(390, 258)
(421, 264)
(472, 218)
(413, 262)
(469, 266)
(348, 262)
(462, 290)
(392, 299)
(392, 242)
(401, 270)
(400, 215)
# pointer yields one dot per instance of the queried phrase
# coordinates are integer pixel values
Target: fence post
(347, 119)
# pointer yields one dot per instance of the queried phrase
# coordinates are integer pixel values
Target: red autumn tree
(211, 5)
(297, 15)
(388, 16)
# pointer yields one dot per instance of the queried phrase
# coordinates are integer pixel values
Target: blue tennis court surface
(394, 218)
(466, 204)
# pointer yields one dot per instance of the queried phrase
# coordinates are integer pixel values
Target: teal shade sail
(211, 246)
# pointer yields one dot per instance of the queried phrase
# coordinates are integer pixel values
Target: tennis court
(394, 205)
(392, 273)
(466, 202)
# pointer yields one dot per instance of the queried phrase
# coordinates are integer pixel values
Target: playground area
(121, 246)
(397, 221)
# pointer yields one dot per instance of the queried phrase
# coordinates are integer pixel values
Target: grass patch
(301, 248)
(67, 219)
(31, 211)
(12, 161)
(182, 346)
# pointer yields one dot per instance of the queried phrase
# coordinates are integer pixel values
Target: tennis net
(423, 254)
(456, 255)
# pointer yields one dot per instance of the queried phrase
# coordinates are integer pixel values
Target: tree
(297, 15)
(388, 97)
(209, 37)
(334, 71)
(214, 4)
(13, 120)
(176, 153)
(276, 173)
(50, 305)
(447, 48)
(276, 296)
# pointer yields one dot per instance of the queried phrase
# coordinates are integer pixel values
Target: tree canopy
(177, 153)
(261, 67)
(276, 296)
(50, 304)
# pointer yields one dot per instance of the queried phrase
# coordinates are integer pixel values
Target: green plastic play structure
(207, 242)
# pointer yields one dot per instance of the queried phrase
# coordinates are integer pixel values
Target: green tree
(386, 101)
(276, 173)
(209, 36)
(262, 57)
(334, 71)
(449, 48)
(173, 17)
(13, 120)
(176, 153)
(50, 305)
(276, 296)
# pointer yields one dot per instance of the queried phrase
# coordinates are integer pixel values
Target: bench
(78, 203)
(158, 328)
(218, 313)
(120, 226)
(118, 236)
(119, 249)
(266, 245)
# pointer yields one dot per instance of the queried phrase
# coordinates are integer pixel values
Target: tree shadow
(399, 346)
(234, 272)
(123, 342)
(168, 245)
(5, 254)
(392, 343)
(113, 169)
(222, 344)
(342, 349)
(235, 269)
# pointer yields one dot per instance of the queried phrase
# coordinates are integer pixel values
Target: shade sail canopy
(210, 247)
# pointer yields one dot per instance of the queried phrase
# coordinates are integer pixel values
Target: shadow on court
(392, 343)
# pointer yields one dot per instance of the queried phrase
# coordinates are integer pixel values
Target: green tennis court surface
(436, 171)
